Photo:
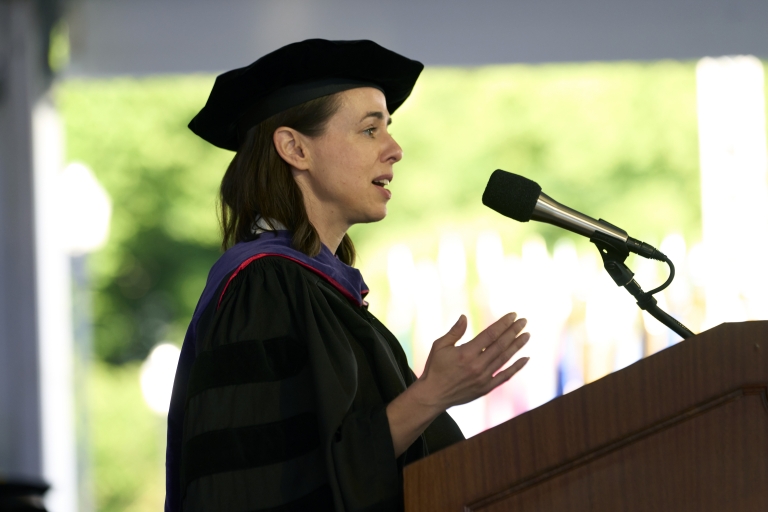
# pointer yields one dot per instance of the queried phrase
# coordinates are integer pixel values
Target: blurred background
(651, 115)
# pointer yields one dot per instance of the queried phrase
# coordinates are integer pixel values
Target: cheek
(345, 166)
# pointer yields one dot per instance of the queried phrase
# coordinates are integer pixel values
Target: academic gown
(280, 395)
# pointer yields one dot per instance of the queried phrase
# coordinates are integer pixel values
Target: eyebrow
(377, 115)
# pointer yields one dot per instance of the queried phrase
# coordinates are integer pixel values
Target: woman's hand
(456, 375)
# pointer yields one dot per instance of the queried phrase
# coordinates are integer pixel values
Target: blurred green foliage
(615, 140)
(127, 442)
(163, 181)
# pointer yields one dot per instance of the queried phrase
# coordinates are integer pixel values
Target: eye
(370, 131)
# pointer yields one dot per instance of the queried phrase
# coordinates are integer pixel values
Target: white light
(85, 210)
(400, 270)
(572, 385)
(535, 256)
(429, 313)
(489, 257)
(698, 265)
(674, 247)
(734, 193)
(401, 273)
(505, 293)
(470, 417)
(565, 256)
(452, 262)
(565, 262)
(156, 376)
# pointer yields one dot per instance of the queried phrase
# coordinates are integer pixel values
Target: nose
(393, 153)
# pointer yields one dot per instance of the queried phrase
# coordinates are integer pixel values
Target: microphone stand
(614, 253)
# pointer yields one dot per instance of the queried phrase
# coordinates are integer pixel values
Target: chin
(370, 217)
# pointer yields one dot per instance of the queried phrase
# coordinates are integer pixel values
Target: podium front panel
(683, 430)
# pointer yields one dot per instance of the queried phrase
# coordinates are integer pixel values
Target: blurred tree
(617, 140)
(127, 441)
(163, 182)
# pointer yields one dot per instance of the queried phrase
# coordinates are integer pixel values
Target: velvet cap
(297, 73)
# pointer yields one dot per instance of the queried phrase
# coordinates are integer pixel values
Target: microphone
(521, 199)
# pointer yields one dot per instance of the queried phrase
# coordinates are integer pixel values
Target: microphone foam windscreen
(511, 195)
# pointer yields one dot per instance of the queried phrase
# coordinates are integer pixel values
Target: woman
(289, 394)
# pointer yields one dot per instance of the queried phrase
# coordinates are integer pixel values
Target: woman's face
(351, 163)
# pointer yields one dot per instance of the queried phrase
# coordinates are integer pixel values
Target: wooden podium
(683, 430)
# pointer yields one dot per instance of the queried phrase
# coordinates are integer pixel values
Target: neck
(330, 229)
(325, 217)
(330, 238)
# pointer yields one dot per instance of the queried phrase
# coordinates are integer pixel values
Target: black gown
(286, 401)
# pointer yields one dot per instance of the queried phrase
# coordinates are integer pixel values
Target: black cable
(669, 279)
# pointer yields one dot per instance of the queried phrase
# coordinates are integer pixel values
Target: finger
(509, 352)
(490, 333)
(505, 340)
(453, 335)
(507, 374)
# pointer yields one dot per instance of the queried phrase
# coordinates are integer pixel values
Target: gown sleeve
(274, 418)
(443, 431)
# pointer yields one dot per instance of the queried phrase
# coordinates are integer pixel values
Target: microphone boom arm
(614, 253)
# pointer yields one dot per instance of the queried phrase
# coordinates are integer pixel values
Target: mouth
(381, 182)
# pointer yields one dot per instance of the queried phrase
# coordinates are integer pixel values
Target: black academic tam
(295, 74)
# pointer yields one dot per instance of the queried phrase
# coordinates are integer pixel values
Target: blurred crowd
(583, 326)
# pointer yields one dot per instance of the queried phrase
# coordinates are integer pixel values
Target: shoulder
(265, 273)
(270, 263)
(261, 299)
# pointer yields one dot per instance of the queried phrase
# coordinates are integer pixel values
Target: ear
(291, 147)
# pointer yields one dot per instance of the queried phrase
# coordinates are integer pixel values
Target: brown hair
(258, 182)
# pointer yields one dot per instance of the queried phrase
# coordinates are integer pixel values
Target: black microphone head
(511, 195)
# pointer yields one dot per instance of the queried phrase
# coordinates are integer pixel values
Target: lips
(383, 180)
